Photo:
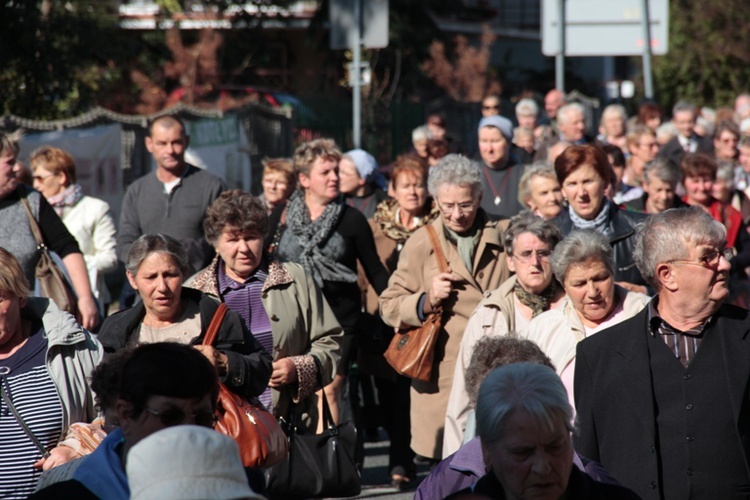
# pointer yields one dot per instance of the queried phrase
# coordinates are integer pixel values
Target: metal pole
(356, 90)
(560, 57)
(646, 24)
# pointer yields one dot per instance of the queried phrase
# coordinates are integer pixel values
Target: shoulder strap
(216, 321)
(439, 255)
(25, 427)
(33, 224)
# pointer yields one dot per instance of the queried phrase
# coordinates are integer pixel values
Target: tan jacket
(417, 267)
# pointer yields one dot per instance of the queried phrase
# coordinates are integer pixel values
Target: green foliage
(709, 53)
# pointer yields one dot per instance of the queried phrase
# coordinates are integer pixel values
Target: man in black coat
(662, 398)
(684, 115)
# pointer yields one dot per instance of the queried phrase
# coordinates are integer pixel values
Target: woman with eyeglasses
(88, 219)
(533, 289)
(168, 312)
(583, 263)
(584, 173)
(46, 359)
(472, 245)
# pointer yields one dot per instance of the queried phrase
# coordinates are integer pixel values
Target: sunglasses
(174, 416)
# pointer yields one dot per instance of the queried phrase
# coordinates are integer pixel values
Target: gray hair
(527, 222)
(681, 106)
(526, 387)
(563, 112)
(421, 133)
(527, 106)
(725, 172)
(455, 170)
(542, 168)
(670, 234)
(664, 170)
(156, 243)
(615, 109)
(578, 247)
(666, 131)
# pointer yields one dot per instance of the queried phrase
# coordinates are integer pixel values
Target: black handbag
(318, 465)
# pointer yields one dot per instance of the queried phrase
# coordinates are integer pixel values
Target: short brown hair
(236, 209)
(698, 165)
(575, 156)
(408, 165)
(306, 154)
(8, 145)
(12, 279)
(167, 121)
(281, 165)
(54, 160)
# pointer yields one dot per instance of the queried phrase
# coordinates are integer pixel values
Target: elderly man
(665, 422)
(660, 180)
(501, 167)
(571, 124)
(553, 101)
(686, 140)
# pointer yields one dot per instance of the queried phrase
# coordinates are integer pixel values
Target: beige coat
(416, 269)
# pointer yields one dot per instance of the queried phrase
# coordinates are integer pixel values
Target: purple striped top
(245, 299)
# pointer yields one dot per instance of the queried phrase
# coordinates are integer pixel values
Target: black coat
(622, 224)
(249, 368)
(674, 151)
(616, 407)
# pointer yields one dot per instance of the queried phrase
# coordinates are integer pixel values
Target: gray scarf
(467, 243)
(600, 223)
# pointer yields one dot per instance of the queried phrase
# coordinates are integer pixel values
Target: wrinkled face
(614, 126)
(458, 206)
(47, 183)
(584, 190)
(527, 121)
(322, 183)
(240, 251)
(545, 196)
(660, 195)
(573, 127)
(491, 106)
(168, 146)
(702, 278)
(552, 102)
(645, 150)
(158, 281)
(530, 261)
(699, 190)
(275, 187)
(11, 333)
(493, 147)
(591, 289)
(531, 461)
(349, 179)
(684, 121)
(410, 192)
(744, 158)
(725, 145)
(420, 147)
(9, 170)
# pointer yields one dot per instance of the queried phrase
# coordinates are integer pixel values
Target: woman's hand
(216, 357)
(58, 456)
(88, 313)
(284, 373)
(442, 286)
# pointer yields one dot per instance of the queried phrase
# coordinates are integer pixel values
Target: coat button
(481, 274)
(689, 438)
(653, 450)
(653, 485)
(689, 407)
(687, 376)
(690, 472)
(264, 295)
(274, 318)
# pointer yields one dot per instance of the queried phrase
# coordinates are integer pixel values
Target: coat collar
(207, 280)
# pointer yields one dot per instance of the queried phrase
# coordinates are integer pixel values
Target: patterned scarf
(311, 235)
(67, 198)
(537, 303)
(600, 223)
(387, 218)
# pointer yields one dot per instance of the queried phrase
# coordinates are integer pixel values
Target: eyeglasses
(491, 107)
(710, 259)
(463, 208)
(527, 255)
(650, 145)
(40, 178)
(174, 416)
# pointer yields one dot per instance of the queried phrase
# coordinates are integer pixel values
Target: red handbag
(261, 440)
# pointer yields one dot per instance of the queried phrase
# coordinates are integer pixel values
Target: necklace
(497, 192)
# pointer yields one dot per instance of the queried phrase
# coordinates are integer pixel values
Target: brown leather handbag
(259, 436)
(411, 352)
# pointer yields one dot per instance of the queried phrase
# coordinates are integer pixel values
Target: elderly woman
(472, 245)
(88, 219)
(328, 237)
(584, 264)
(45, 361)
(279, 303)
(16, 235)
(525, 423)
(584, 174)
(358, 175)
(278, 182)
(539, 190)
(613, 127)
(529, 242)
(168, 312)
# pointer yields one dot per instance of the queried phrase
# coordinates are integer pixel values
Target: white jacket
(90, 222)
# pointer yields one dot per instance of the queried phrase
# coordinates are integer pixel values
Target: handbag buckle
(403, 341)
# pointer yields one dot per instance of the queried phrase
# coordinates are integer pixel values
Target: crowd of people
(585, 273)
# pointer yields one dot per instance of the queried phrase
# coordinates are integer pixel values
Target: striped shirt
(28, 383)
(244, 298)
(684, 345)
